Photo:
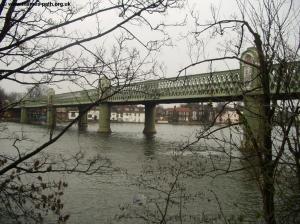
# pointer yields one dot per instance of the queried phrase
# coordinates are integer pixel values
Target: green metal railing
(215, 85)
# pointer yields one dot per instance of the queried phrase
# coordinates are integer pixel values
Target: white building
(133, 117)
(118, 113)
(130, 113)
(228, 116)
(92, 114)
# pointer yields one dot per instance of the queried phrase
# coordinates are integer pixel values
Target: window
(73, 114)
(248, 71)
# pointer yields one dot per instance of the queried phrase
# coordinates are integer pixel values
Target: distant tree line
(6, 98)
(32, 92)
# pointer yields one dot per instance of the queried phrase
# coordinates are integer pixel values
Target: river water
(142, 171)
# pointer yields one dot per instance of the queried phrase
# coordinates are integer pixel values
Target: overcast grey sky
(174, 58)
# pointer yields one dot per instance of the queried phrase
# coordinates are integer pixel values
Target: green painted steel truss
(215, 86)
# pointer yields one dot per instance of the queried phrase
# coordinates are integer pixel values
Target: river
(109, 197)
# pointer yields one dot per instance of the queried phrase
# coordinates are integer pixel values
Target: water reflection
(149, 145)
(95, 199)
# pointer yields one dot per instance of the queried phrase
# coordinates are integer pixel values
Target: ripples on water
(98, 198)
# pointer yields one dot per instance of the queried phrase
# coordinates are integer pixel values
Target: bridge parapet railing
(39, 102)
(135, 91)
(288, 82)
(216, 83)
(76, 98)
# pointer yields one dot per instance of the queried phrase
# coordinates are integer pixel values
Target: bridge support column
(104, 108)
(24, 115)
(255, 124)
(104, 118)
(149, 119)
(83, 121)
(51, 116)
(51, 110)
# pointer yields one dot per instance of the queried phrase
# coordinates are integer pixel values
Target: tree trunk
(297, 159)
(268, 195)
(268, 168)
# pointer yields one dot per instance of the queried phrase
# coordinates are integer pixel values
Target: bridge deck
(215, 86)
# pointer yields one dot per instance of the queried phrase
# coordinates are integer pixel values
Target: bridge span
(243, 84)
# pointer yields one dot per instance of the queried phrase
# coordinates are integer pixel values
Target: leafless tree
(41, 45)
(272, 159)
(270, 27)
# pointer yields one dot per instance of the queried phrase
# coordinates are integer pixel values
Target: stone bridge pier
(24, 115)
(51, 110)
(255, 123)
(104, 118)
(83, 121)
(149, 119)
(104, 108)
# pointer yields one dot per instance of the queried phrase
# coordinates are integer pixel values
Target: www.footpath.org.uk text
(43, 4)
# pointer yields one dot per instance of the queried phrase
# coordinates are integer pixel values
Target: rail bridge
(241, 84)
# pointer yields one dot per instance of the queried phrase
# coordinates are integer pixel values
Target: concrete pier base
(254, 120)
(149, 119)
(51, 117)
(24, 115)
(51, 110)
(83, 121)
(104, 118)
(255, 123)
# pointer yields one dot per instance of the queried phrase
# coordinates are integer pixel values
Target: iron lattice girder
(214, 86)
